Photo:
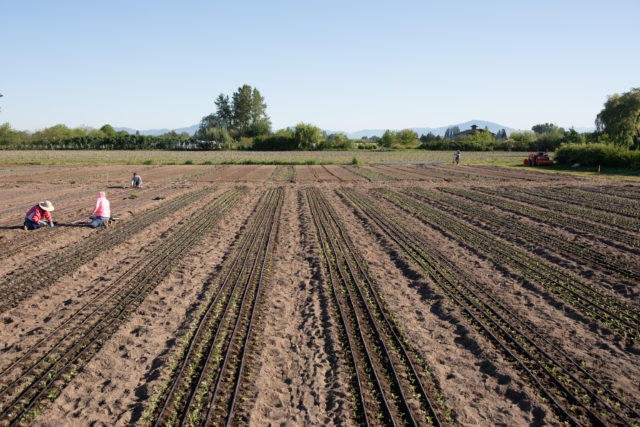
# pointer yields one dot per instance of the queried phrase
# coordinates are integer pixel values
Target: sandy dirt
(300, 375)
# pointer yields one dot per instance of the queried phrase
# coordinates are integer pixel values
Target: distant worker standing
(101, 212)
(458, 157)
(37, 215)
(136, 181)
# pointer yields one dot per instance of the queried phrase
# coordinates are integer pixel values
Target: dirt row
(297, 378)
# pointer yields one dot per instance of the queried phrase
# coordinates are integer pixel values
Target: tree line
(240, 121)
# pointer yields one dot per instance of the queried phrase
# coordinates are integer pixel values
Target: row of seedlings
(283, 173)
(615, 204)
(534, 197)
(615, 314)
(605, 234)
(20, 241)
(204, 378)
(40, 373)
(513, 229)
(25, 281)
(502, 173)
(576, 395)
(371, 175)
(390, 382)
(627, 192)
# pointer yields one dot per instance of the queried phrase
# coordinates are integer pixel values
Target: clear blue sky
(341, 65)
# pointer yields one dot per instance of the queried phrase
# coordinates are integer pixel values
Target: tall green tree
(544, 128)
(307, 135)
(224, 113)
(407, 136)
(242, 105)
(388, 138)
(451, 132)
(244, 114)
(620, 118)
(108, 130)
(11, 137)
(258, 107)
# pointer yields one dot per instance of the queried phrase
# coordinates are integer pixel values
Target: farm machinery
(538, 159)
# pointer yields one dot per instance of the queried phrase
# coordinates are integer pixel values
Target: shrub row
(598, 154)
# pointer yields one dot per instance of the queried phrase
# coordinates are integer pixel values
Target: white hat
(46, 205)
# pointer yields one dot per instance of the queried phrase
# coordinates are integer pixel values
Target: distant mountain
(493, 127)
(155, 132)
(581, 130)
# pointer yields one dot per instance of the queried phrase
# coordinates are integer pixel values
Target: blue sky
(343, 65)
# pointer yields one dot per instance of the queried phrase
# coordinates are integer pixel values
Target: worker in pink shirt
(101, 212)
(37, 215)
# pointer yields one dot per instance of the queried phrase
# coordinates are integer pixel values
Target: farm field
(329, 294)
(117, 157)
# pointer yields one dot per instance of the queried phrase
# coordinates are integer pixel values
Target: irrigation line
(244, 345)
(343, 322)
(573, 250)
(178, 239)
(344, 242)
(413, 251)
(249, 239)
(265, 240)
(29, 280)
(355, 318)
(380, 307)
(556, 217)
(158, 271)
(209, 332)
(581, 295)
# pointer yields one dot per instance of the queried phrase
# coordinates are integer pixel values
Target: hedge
(598, 154)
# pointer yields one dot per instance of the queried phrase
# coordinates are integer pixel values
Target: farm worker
(34, 218)
(136, 181)
(458, 157)
(101, 212)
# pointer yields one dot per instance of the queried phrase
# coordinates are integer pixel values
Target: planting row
(29, 279)
(577, 394)
(535, 236)
(389, 382)
(73, 213)
(614, 314)
(204, 379)
(552, 217)
(40, 372)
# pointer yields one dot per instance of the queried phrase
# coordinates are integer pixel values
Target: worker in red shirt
(34, 218)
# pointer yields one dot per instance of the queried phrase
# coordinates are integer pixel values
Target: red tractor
(538, 159)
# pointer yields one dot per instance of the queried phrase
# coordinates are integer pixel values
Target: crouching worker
(136, 181)
(101, 212)
(38, 216)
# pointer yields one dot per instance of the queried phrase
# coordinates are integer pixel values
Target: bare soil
(299, 377)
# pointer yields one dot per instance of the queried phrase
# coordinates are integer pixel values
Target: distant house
(474, 129)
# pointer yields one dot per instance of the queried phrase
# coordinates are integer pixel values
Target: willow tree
(620, 118)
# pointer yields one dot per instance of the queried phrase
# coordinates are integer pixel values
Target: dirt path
(298, 381)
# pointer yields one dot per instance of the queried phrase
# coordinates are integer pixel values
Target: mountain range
(493, 127)
(156, 132)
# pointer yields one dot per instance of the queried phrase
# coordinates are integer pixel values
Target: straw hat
(46, 205)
